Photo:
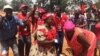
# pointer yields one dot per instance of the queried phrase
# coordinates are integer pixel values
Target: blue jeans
(60, 42)
(10, 43)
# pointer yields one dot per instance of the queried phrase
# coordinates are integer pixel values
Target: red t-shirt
(23, 31)
(59, 21)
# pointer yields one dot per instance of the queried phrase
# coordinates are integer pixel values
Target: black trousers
(24, 44)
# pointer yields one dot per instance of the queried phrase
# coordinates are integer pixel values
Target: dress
(44, 49)
(77, 47)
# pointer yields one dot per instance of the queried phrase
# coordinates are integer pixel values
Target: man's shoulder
(15, 17)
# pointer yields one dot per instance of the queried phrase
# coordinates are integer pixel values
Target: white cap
(7, 7)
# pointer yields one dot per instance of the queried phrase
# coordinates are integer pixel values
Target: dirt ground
(64, 50)
(65, 45)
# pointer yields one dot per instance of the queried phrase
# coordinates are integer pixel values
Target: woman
(81, 42)
(46, 38)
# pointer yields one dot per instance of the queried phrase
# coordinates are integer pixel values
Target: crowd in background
(49, 28)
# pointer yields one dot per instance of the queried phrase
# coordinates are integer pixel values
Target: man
(24, 33)
(59, 20)
(8, 31)
(81, 42)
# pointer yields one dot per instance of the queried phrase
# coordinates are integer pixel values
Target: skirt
(37, 50)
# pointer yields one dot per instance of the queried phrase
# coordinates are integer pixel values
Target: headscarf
(69, 25)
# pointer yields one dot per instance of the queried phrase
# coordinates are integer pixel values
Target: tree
(63, 4)
(28, 2)
(2, 3)
(98, 4)
(16, 3)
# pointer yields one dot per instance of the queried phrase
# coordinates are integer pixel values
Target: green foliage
(2, 3)
(98, 4)
(16, 3)
(63, 4)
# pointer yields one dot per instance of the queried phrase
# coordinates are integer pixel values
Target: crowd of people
(43, 33)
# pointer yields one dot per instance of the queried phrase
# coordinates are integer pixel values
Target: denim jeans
(10, 43)
(60, 42)
(24, 42)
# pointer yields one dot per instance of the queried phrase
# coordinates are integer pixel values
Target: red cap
(41, 10)
(47, 16)
(23, 6)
